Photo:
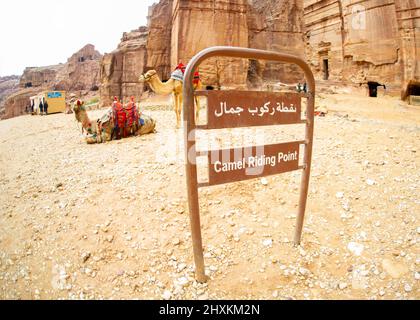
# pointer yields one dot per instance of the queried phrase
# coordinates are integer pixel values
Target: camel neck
(161, 88)
(85, 120)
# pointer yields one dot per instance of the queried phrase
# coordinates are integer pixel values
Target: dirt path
(110, 221)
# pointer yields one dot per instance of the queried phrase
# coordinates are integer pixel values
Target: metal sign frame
(190, 128)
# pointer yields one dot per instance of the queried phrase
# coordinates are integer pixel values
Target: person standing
(46, 107)
(41, 107)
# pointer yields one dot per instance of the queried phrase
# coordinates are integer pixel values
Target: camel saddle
(178, 74)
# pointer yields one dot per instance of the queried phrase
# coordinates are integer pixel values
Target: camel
(171, 86)
(105, 125)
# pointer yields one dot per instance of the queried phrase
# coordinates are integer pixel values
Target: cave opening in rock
(413, 89)
(373, 88)
(209, 88)
(326, 70)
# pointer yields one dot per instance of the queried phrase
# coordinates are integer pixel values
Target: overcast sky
(46, 32)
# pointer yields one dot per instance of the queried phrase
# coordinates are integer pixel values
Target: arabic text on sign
(266, 109)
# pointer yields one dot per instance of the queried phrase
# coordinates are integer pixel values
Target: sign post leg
(302, 206)
(196, 235)
(306, 174)
(192, 184)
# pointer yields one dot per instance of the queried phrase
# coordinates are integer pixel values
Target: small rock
(176, 242)
(268, 243)
(275, 294)
(302, 252)
(339, 195)
(342, 285)
(85, 256)
(304, 271)
(213, 268)
(110, 238)
(167, 295)
(183, 281)
(264, 182)
(407, 288)
(181, 267)
(370, 182)
(355, 248)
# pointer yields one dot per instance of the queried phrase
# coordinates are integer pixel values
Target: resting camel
(102, 129)
(171, 86)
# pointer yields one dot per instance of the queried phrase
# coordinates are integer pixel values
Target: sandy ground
(110, 221)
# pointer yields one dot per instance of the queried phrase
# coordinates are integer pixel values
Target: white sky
(37, 33)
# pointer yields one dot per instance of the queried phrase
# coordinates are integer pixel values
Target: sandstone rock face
(363, 41)
(81, 72)
(8, 86)
(16, 104)
(276, 26)
(408, 17)
(205, 23)
(159, 38)
(40, 76)
(120, 70)
(346, 42)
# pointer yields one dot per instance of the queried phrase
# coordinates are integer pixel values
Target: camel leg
(177, 102)
(180, 106)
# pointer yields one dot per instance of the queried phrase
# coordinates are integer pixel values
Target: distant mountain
(8, 86)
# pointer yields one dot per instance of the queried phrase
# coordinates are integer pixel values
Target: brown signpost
(234, 109)
(240, 164)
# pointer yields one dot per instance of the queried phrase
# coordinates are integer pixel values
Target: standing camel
(171, 86)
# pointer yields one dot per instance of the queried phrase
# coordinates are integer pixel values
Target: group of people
(42, 107)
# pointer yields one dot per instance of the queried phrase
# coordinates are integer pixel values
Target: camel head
(147, 76)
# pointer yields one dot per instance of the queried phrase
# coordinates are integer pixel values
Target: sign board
(54, 95)
(234, 109)
(232, 165)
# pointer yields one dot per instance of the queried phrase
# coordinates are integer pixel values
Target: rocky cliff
(197, 25)
(40, 76)
(362, 41)
(276, 26)
(344, 41)
(179, 29)
(159, 38)
(79, 73)
(120, 69)
(8, 86)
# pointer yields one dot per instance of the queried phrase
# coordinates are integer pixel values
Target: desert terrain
(110, 221)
